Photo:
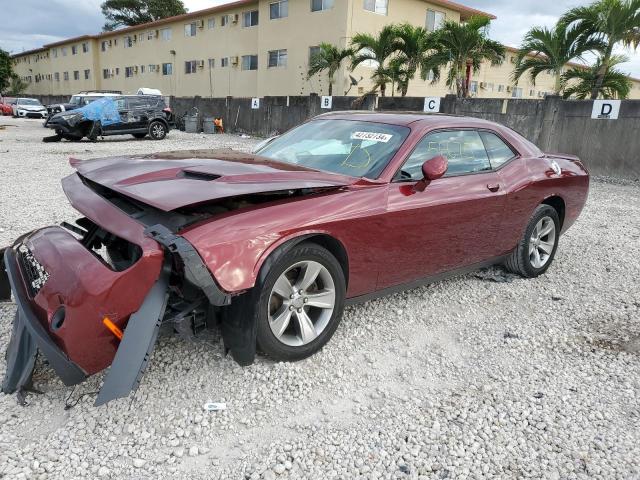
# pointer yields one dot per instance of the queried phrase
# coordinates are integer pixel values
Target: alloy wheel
(542, 241)
(301, 303)
(157, 130)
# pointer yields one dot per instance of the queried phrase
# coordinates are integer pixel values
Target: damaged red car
(272, 245)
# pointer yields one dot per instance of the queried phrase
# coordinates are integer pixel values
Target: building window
(380, 7)
(87, 73)
(117, 70)
(103, 46)
(76, 75)
(212, 63)
(211, 23)
(57, 76)
(190, 29)
(473, 87)
(435, 20)
(279, 9)
(64, 51)
(277, 58)
(55, 53)
(224, 62)
(167, 68)
(74, 50)
(142, 68)
(141, 37)
(500, 88)
(190, 66)
(85, 47)
(165, 34)
(224, 20)
(317, 5)
(313, 51)
(250, 19)
(249, 62)
(65, 76)
(128, 42)
(151, 35)
(128, 72)
(532, 93)
(516, 92)
(152, 68)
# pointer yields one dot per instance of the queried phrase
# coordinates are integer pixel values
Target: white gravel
(484, 376)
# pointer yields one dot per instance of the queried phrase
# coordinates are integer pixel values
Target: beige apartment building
(251, 48)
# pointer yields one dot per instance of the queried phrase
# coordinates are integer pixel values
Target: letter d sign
(605, 109)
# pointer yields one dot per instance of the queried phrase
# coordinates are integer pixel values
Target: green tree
(580, 82)
(16, 86)
(126, 13)
(329, 58)
(549, 50)
(6, 70)
(462, 47)
(611, 21)
(377, 49)
(414, 43)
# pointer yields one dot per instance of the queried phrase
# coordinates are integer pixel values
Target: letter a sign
(255, 103)
(432, 104)
(605, 109)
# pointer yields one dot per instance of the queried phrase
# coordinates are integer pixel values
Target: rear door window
(499, 152)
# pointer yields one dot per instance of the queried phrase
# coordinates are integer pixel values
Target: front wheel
(537, 248)
(157, 130)
(300, 303)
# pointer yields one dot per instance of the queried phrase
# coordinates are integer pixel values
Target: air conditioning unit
(157, 68)
(157, 34)
(236, 18)
(200, 23)
(201, 64)
(234, 60)
(483, 85)
(508, 88)
(135, 69)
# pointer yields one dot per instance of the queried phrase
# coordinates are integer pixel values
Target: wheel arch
(558, 203)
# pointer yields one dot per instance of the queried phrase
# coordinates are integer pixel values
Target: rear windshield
(347, 147)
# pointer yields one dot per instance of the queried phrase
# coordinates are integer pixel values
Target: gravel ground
(484, 376)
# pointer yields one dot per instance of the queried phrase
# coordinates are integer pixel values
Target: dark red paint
(392, 232)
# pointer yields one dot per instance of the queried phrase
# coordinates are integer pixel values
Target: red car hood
(173, 180)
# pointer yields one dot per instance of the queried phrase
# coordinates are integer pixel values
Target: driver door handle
(493, 187)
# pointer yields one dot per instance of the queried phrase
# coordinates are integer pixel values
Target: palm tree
(377, 50)
(398, 73)
(463, 47)
(582, 81)
(329, 58)
(612, 22)
(549, 50)
(414, 44)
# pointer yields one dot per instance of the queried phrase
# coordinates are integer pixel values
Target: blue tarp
(104, 109)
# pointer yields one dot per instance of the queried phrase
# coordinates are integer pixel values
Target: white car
(29, 108)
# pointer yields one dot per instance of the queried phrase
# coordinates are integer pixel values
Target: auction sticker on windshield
(371, 136)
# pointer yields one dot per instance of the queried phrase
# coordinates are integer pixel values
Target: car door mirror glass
(435, 168)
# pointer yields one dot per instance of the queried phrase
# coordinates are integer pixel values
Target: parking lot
(483, 376)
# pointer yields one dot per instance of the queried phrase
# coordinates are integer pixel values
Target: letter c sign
(432, 104)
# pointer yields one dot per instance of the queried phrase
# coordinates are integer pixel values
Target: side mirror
(432, 169)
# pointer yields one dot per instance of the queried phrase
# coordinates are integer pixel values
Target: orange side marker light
(112, 327)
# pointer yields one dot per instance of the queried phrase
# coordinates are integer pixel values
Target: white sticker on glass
(371, 136)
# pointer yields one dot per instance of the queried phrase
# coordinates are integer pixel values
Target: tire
(157, 130)
(72, 138)
(293, 344)
(524, 260)
(139, 135)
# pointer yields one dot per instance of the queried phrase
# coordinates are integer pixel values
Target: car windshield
(347, 147)
(29, 101)
(76, 100)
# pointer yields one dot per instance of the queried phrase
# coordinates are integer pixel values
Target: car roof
(409, 118)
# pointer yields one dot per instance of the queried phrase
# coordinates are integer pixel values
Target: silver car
(29, 108)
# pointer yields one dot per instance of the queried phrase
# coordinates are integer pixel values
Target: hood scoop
(195, 175)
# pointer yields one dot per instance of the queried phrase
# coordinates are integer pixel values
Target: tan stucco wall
(295, 33)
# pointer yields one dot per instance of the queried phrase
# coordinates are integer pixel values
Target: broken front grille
(35, 275)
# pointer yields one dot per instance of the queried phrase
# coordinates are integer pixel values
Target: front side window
(279, 9)
(348, 147)
(380, 7)
(249, 62)
(499, 152)
(463, 149)
(277, 58)
(190, 66)
(318, 5)
(167, 68)
(435, 20)
(190, 29)
(250, 19)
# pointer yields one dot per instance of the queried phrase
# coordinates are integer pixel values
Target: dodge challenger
(271, 246)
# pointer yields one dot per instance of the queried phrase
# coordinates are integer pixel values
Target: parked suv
(29, 108)
(81, 99)
(137, 115)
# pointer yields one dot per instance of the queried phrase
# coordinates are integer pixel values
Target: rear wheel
(300, 303)
(157, 130)
(537, 248)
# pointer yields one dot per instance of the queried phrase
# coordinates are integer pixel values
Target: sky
(30, 24)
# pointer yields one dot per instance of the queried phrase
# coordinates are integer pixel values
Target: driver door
(454, 222)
